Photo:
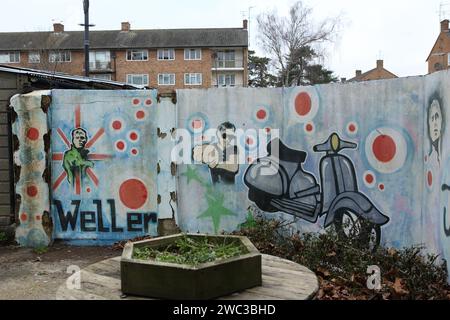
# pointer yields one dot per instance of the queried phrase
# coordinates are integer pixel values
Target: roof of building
(172, 38)
(66, 80)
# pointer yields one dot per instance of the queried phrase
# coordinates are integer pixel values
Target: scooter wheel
(351, 228)
(262, 200)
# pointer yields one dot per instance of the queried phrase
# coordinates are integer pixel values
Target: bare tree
(285, 37)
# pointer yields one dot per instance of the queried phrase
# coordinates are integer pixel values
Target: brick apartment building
(375, 74)
(164, 59)
(439, 58)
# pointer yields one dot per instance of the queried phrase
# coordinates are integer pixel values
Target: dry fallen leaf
(398, 287)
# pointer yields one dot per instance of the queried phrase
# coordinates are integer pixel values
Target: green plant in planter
(3, 236)
(190, 251)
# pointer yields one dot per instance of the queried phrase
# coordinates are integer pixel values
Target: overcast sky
(401, 32)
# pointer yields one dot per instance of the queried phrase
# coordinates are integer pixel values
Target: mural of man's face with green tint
(76, 159)
(79, 138)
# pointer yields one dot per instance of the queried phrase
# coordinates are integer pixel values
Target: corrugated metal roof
(172, 38)
(64, 76)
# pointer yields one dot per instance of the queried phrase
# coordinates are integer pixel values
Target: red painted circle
(352, 128)
(133, 194)
(140, 115)
(32, 191)
(24, 217)
(120, 145)
(134, 136)
(134, 152)
(33, 134)
(117, 125)
(268, 130)
(136, 101)
(384, 148)
(148, 102)
(370, 179)
(309, 127)
(261, 114)
(303, 104)
(38, 218)
(197, 124)
(382, 187)
(88, 190)
(249, 141)
(430, 178)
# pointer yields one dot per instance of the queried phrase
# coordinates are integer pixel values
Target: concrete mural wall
(376, 150)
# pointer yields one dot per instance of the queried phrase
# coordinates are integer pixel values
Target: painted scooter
(278, 183)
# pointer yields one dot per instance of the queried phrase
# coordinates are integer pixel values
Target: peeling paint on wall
(30, 128)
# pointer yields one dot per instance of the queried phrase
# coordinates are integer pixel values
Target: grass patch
(342, 265)
(40, 250)
(191, 251)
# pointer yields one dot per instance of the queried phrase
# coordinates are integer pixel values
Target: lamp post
(86, 26)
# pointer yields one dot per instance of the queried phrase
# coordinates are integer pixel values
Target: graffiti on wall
(103, 165)
(30, 128)
(278, 183)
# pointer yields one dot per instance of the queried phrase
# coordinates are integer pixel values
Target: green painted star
(216, 211)
(192, 175)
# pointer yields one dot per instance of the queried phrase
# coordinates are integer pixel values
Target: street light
(86, 26)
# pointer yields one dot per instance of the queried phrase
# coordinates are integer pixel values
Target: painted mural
(30, 128)
(104, 159)
(345, 153)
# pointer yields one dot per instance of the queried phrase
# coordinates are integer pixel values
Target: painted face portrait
(435, 121)
(79, 138)
(226, 133)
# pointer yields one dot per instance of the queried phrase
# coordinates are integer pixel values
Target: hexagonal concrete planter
(175, 281)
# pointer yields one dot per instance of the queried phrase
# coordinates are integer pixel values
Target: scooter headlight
(335, 143)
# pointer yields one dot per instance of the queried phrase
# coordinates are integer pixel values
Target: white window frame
(190, 76)
(143, 75)
(52, 54)
(161, 54)
(188, 54)
(10, 54)
(129, 53)
(99, 64)
(36, 54)
(106, 77)
(226, 58)
(170, 75)
(224, 77)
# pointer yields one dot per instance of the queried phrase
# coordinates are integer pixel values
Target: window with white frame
(99, 60)
(102, 76)
(193, 79)
(34, 57)
(227, 80)
(138, 79)
(166, 54)
(10, 57)
(226, 59)
(59, 56)
(166, 79)
(137, 55)
(192, 54)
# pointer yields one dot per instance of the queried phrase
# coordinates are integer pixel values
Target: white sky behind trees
(402, 32)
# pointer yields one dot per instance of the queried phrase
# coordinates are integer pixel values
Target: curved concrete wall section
(30, 159)
(374, 151)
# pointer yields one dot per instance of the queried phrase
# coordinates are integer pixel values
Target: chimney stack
(245, 24)
(358, 73)
(444, 25)
(58, 27)
(126, 26)
(380, 64)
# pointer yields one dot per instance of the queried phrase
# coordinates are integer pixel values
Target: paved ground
(25, 274)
